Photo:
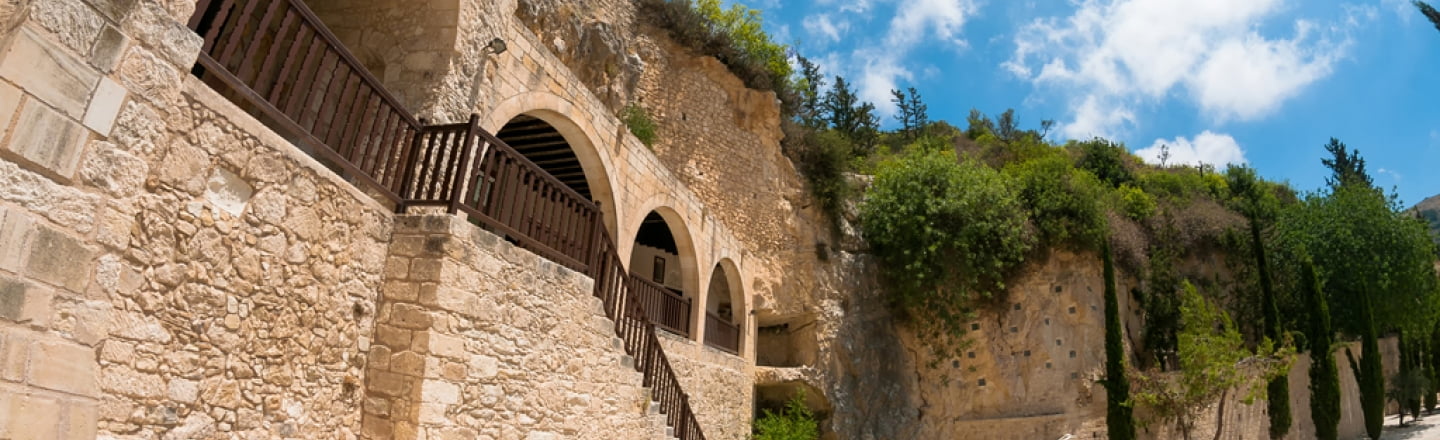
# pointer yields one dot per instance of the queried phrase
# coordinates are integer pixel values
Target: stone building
(390, 219)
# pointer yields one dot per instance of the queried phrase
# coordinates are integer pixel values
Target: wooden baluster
(237, 35)
(257, 40)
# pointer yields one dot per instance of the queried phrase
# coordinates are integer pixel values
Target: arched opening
(723, 307)
(657, 275)
(545, 146)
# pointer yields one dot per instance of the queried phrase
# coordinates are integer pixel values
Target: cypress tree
(1432, 366)
(1118, 418)
(1278, 390)
(1324, 376)
(1368, 372)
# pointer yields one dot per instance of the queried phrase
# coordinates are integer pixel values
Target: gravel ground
(1428, 428)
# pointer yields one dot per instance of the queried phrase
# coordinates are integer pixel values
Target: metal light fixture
(496, 46)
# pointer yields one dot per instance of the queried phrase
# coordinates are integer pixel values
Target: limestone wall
(720, 386)
(171, 268)
(478, 337)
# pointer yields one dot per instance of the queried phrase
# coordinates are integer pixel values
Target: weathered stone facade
(171, 268)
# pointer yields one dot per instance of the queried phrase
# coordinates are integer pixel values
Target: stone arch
(725, 299)
(554, 110)
(409, 46)
(686, 252)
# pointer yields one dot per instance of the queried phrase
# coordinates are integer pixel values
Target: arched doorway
(723, 308)
(545, 146)
(657, 274)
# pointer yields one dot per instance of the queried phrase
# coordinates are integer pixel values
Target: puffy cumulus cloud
(824, 28)
(874, 66)
(1113, 56)
(1207, 148)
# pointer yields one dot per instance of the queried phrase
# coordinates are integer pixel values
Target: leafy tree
(1429, 13)
(1251, 201)
(1324, 376)
(946, 234)
(1213, 362)
(1378, 265)
(1105, 160)
(910, 111)
(1119, 417)
(794, 422)
(851, 118)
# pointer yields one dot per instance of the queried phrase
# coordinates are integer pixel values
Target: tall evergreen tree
(910, 111)
(1251, 201)
(1346, 167)
(1430, 13)
(854, 120)
(1368, 372)
(1324, 376)
(1119, 420)
(811, 110)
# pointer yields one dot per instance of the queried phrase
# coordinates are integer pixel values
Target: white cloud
(1392, 173)
(1113, 56)
(823, 27)
(1207, 148)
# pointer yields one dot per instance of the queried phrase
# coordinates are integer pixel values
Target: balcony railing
(275, 58)
(666, 308)
(721, 333)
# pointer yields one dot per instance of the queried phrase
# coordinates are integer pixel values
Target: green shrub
(1063, 201)
(794, 422)
(640, 124)
(734, 36)
(824, 157)
(946, 234)
(1107, 160)
(1136, 203)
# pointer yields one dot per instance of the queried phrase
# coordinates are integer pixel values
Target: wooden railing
(277, 58)
(721, 334)
(623, 305)
(666, 308)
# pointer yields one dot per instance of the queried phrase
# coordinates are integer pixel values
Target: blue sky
(1263, 82)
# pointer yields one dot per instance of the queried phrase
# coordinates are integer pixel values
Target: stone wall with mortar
(476, 337)
(171, 269)
(720, 386)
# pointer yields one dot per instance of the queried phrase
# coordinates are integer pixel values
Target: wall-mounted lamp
(496, 47)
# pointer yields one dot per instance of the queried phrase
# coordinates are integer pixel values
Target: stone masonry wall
(168, 267)
(720, 386)
(478, 337)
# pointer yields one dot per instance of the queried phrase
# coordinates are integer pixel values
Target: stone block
(64, 366)
(14, 354)
(24, 302)
(49, 72)
(17, 230)
(439, 391)
(80, 420)
(228, 191)
(104, 106)
(389, 384)
(9, 103)
(394, 338)
(117, 173)
(448, 346)
(27, 416)
(409, 316)
(59, 259)
(108, 48)
(74, 23)
(49, 140)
